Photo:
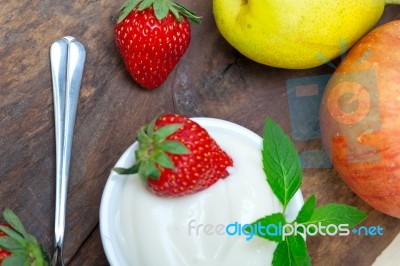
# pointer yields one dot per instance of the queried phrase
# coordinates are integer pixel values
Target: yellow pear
(295, 34)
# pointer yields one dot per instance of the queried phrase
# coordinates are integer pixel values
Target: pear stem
(396, 2)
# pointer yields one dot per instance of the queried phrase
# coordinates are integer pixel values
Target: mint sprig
(284, 175)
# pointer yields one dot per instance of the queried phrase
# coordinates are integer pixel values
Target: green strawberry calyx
(161, 9)
(24, 248)
(151, 156)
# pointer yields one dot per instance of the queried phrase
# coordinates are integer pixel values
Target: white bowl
(114, 186)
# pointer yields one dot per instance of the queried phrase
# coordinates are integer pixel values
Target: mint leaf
(281, 163)
(291, 252)
(336, 214)
(298, 250)
(281, 254)
(270, 227)
(306, 211)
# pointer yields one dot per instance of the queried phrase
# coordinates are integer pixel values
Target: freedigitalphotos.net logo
(347, 90)
(280, 230)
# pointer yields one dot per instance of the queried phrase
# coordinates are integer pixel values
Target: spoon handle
(67, 58)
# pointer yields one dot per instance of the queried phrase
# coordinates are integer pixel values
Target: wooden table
(212, 80)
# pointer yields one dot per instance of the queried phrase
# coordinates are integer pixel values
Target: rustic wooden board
(211, 80)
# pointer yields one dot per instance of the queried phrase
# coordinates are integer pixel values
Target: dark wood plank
(90, 252)
(211, 80)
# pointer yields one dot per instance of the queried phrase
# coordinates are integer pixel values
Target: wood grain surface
(212, 80)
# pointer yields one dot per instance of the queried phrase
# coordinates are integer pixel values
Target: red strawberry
(152, 36)
(18, 247)
(3, 252)
(176, 157)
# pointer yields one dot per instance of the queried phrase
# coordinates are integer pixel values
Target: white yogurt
(189, 230)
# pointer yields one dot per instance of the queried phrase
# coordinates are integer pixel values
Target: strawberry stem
(152, 154)
(161, 9)
(35, 255)
(24, 248)
(186, 12)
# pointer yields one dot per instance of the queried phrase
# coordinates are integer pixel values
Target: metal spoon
(67, 58)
